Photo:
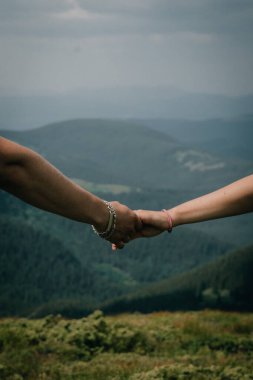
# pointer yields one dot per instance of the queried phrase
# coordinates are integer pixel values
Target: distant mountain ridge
(134, 156)
(231, 137)
(22, 112)
(87, 149)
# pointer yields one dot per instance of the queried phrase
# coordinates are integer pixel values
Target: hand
(153, 224)
(128, 224)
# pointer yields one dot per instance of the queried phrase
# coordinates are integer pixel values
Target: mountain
(227, 138)
(104, 151)
(50, 263)
(36, 268)
(225, 283)
(147, 169)
(22, 112)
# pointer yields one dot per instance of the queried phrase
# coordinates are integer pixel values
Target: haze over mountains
(24, 111)
(228, 138)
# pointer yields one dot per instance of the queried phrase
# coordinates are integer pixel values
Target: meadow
(159, 346)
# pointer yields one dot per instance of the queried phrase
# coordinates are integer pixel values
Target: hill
(176, 253)
(43, 243)
(105, 151)
(136, 165)
(147, 168)
(227, 138)
(226, 284)
(36, 268)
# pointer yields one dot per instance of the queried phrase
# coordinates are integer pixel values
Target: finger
(138, 223)
(119, 245)
(136, 235)
(126, 239)
(146, 216)
(157, 219)
(147, 231)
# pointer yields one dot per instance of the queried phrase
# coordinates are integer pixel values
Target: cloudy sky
(58, 46)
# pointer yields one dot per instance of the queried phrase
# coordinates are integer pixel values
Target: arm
(234, 199)
(31, 178)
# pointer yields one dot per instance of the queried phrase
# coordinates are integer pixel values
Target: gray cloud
(79, 18)
(201, 45)
(19, 7)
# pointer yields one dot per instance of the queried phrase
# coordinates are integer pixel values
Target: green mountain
(41, 244)
(225, 283)
(36, 268)
(227, 138)
(106, 151)
(147, 168)
(136, 165)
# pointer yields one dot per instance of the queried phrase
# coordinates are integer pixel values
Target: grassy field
(159, 346)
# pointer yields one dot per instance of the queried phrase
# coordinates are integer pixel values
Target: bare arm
(30, 177)
(234, 199)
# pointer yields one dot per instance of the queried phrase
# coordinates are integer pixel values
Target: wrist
(111, 225)
(169, 220)
(175, 215)
(101, 216)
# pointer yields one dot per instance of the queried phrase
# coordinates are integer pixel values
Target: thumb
(138, 223)
(156, 219)
(145, 216)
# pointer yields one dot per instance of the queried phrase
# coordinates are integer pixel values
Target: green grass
(159, 346)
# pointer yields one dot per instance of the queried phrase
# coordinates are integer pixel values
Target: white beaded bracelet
(111, 223)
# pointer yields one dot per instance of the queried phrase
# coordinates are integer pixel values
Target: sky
(60, 46)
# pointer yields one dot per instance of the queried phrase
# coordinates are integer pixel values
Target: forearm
(30, 177)
(234, 199)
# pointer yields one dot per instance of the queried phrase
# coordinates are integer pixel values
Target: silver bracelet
(111, 223)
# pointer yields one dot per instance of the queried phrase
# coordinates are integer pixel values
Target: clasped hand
(135, 224)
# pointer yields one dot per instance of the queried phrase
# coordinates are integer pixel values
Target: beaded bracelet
(111, 223)
(170, 220)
